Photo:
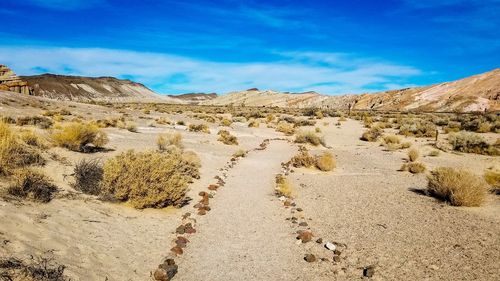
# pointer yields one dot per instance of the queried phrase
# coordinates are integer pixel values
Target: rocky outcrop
(9, 81)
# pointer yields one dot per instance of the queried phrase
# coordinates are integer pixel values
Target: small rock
(433, 267)
(299, 210)
(337, 252)
(203, 193)
(330, 246)
(198, 205)
(369, 271)
(181, 229)
(213, 187)
(177, 250)
(336, 258)
(202, 212)
(186, 215)
(166, 271)
(282, 198)
(319, 240)
(303, 223)
(310, 258)
(305, 236)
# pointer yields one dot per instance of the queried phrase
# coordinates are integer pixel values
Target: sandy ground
(365, 203)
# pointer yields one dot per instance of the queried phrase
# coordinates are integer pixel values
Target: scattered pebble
(330, 246)
(319, 240)
(166, 271)
(310, 258)
(303, 223)
(304, 235)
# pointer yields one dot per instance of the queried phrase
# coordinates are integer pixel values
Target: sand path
(245, 237)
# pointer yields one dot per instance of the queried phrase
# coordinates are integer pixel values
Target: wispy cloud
(335, 74)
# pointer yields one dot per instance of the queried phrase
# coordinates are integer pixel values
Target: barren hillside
(85, 89)
(476, 93)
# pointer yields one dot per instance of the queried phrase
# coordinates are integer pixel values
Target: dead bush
(472, 143)
(253, 124)
(326, 162)
(77, 136)
(413, 155)
(459, 187)
(150, 179)
(31, 184)
(199, 128)
(414, 167)
(308, 137)
(285, 128)
(42, 268)
(226, 122)
(14, 153)
(226, 138)
(283, 186)
(417, 128)
(492, 177)
(372, 134)
(88, 176)
(39, 121)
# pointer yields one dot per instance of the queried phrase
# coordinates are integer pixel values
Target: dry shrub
(391, 139)
(493, 178)
(285, 128)
(417, 128)
(150, 179)
(342, 119)
(169, 139)
(472, 143)
(283, 186)
(459, 187)
(326, 162)
(372, 134)
(14, 153)
(414, 168)
(39, 121)
(77, 136)
(303, 159)
(198, 128)
(42, 268)
(88, 176)
(31, 184)
(413, 155)
(308, 137)
(254, 124)
(226, 122)
(240, 153)
(31, 138)
(226, 138)
(162, 121)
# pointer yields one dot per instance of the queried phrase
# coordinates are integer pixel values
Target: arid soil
(378, 216)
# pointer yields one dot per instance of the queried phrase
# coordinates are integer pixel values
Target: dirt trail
(245, 236)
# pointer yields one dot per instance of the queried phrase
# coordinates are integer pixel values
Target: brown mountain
(84, 89)
(476, 93)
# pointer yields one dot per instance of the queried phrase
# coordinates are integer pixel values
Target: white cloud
(330, 73)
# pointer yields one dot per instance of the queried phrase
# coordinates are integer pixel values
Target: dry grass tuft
(308, 137)
(414, 167)
(253, 124)
(150, 179)
(413, 155)
(226, 138)
(199, 128)
(303, 159)
(240, 153)
(326, 162)
(372, 134)
(286, 128)
(459, 187)
(14, 153)
(77, 136)
(88, 176)
(31, 184)
(493, 178)
(37, 269)
(283, 186)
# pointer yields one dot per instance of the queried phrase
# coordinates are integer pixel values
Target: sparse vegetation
(414, 167)
(77, 136)
(492, 177)
(226, 138)
(254, 124)
(372, 134)
(240, 153)
(459, 187)
(285, 128)
(472, 143)
(308, 137)
(413, 155)
(88, 175)
(199, 128)
(14, 153)
(31, 184)
(150, 179)
(42, 268)
(325, 162)
(283, 186)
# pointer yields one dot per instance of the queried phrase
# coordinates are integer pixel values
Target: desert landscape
(222, 140)
(202, 189)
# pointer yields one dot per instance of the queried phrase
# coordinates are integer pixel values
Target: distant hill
(195, 98)
(85, 89)
(476, 93)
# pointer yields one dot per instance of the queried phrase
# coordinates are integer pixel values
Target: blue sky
(333, 47)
